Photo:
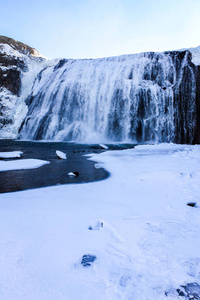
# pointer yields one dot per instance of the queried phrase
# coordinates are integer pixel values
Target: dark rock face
(185, 110)
(197, 125)
(14, 60)
(12, 66)
(10, 79)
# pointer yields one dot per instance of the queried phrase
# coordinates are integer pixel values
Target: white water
(146, 97)
(121, 98)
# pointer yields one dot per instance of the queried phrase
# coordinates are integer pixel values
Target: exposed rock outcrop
(15, 61)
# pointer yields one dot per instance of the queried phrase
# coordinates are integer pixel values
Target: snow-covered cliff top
(12, 47)
(195, 54)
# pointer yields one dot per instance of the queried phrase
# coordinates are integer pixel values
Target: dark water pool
(57, 171)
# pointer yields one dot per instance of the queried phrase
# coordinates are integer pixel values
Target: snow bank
(13, 154)
(136, 223)
(22, 164)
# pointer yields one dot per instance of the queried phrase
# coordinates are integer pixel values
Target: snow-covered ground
(137, 223)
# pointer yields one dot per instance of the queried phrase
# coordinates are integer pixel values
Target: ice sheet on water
(21, 164)
(13, 154)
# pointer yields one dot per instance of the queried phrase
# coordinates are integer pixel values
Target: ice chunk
(61, 154)
(103, 146)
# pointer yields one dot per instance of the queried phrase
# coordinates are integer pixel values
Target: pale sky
(101, 28)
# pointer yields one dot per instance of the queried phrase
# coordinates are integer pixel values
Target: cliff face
(15, 61)
(147, 97)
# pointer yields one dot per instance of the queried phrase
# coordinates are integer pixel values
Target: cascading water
(141, 97)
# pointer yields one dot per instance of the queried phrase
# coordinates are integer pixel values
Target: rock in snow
(61, 154)
(192, 204)
(192, 290)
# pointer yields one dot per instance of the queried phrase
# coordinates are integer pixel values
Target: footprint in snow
(88, 259)
(98, 226)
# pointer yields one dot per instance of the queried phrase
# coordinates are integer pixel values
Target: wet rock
(88, 259)
(73, 174)
(76, 173)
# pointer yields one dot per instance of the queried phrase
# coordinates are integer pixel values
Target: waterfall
(144, 97)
